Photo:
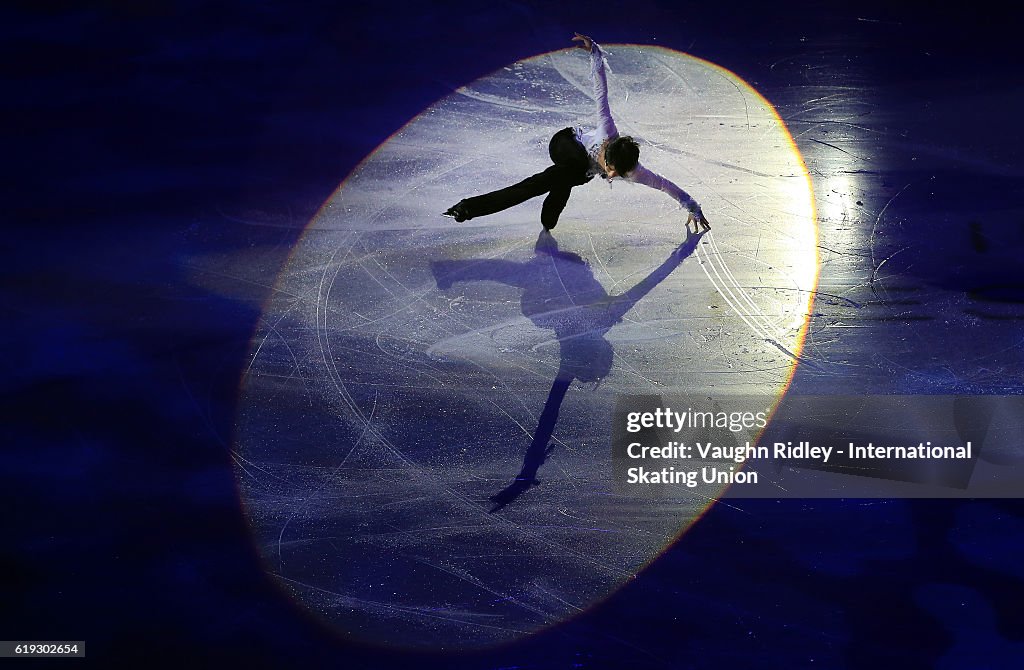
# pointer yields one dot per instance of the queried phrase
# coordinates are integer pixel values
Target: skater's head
(621, 156)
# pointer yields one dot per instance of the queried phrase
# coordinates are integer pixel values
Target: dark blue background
(140, 135)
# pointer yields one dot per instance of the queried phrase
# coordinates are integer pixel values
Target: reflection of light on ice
(836, 203)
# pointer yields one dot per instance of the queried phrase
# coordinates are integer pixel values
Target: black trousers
(570, 169)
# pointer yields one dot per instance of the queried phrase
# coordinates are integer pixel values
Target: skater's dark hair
(622, 154)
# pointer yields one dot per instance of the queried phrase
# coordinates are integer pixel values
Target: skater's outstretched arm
(600, 79)
(641, 175)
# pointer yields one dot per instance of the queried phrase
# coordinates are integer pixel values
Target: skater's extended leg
(502, 199)
(555, 177)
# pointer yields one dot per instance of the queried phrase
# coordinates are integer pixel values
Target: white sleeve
(597, 73)
(641, 175)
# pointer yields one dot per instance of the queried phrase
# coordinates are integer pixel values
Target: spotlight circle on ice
(405, 363)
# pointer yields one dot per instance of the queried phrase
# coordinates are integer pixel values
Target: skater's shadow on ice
(560, 293)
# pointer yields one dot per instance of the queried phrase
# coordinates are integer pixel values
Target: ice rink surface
(406, 363)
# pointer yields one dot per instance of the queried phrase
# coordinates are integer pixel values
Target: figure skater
(578, 156)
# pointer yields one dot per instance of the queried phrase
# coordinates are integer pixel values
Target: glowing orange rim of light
(798, 348)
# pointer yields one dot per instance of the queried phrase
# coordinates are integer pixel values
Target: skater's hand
(584, 42)
(700, 223)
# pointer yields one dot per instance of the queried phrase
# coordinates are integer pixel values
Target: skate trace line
(723, 288)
